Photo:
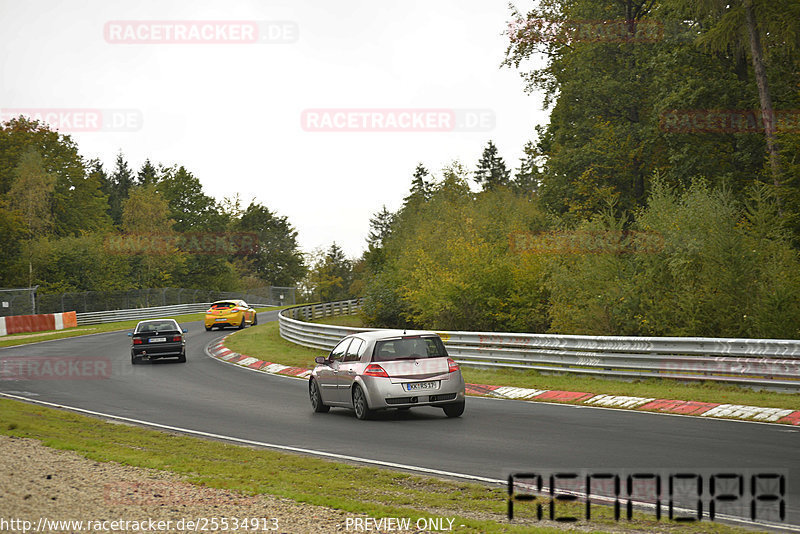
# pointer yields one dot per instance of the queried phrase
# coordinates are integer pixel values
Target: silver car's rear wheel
(316, 398)
(360, 403)
(454, 410)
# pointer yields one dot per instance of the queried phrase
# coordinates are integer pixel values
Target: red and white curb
(221, 352)
(703, 409)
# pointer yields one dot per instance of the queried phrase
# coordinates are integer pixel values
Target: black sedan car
(158, 338)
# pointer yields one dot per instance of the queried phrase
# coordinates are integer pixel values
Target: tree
(145, 216)
(73, 200)
(420, 187)
(31, 193)
(12, 233)
(491, 172)
(380, 227)
(607, 137)
(88, 203)
(147, 174)
(526, 179)
(146, 211)
(31, 197)
(752, 26)
(119, 185)
(190, 207)
(331, 276)
(276, 260)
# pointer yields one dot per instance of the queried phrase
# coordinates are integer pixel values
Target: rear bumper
(381, 393)
(166, 350)
(223, 320)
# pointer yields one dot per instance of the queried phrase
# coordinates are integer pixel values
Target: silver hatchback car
(383, 369)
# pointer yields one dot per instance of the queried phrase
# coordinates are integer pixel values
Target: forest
(661, 198)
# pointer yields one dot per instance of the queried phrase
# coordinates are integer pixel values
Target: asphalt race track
(493, 438)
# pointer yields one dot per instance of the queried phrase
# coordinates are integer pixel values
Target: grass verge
(34, 337)
(264, 342)
(359, 490)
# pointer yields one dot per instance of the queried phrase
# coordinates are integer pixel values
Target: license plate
(416, 386)
(157, 339)
(221, 320)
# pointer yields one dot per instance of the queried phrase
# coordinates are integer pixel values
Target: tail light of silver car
(374, 369)
(452, 366)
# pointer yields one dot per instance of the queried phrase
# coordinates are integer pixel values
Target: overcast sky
(237, 114)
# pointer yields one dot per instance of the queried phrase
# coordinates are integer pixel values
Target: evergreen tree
(491, 172)
(380, 228)
(120, 186)
(331, 276)
(147, 174)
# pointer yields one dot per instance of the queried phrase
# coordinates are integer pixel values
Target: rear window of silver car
(408, 348)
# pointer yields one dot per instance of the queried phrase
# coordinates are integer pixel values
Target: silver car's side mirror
(321, 360)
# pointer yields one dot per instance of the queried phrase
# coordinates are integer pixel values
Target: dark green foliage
(491, 172)
(277, 260)
(59, 214)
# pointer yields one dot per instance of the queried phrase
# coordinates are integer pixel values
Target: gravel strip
(37, 481)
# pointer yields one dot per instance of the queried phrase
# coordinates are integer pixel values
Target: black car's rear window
(222, 305)
(408, 347)
(156, 326)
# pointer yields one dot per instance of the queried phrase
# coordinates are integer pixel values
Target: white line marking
(243, 441)
(369, 461)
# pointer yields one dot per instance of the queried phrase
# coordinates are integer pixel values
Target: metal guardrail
(23, 301)
(136, 314)
(773, 363)
(295, 328)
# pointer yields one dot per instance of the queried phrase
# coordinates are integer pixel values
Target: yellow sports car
(230, 313)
